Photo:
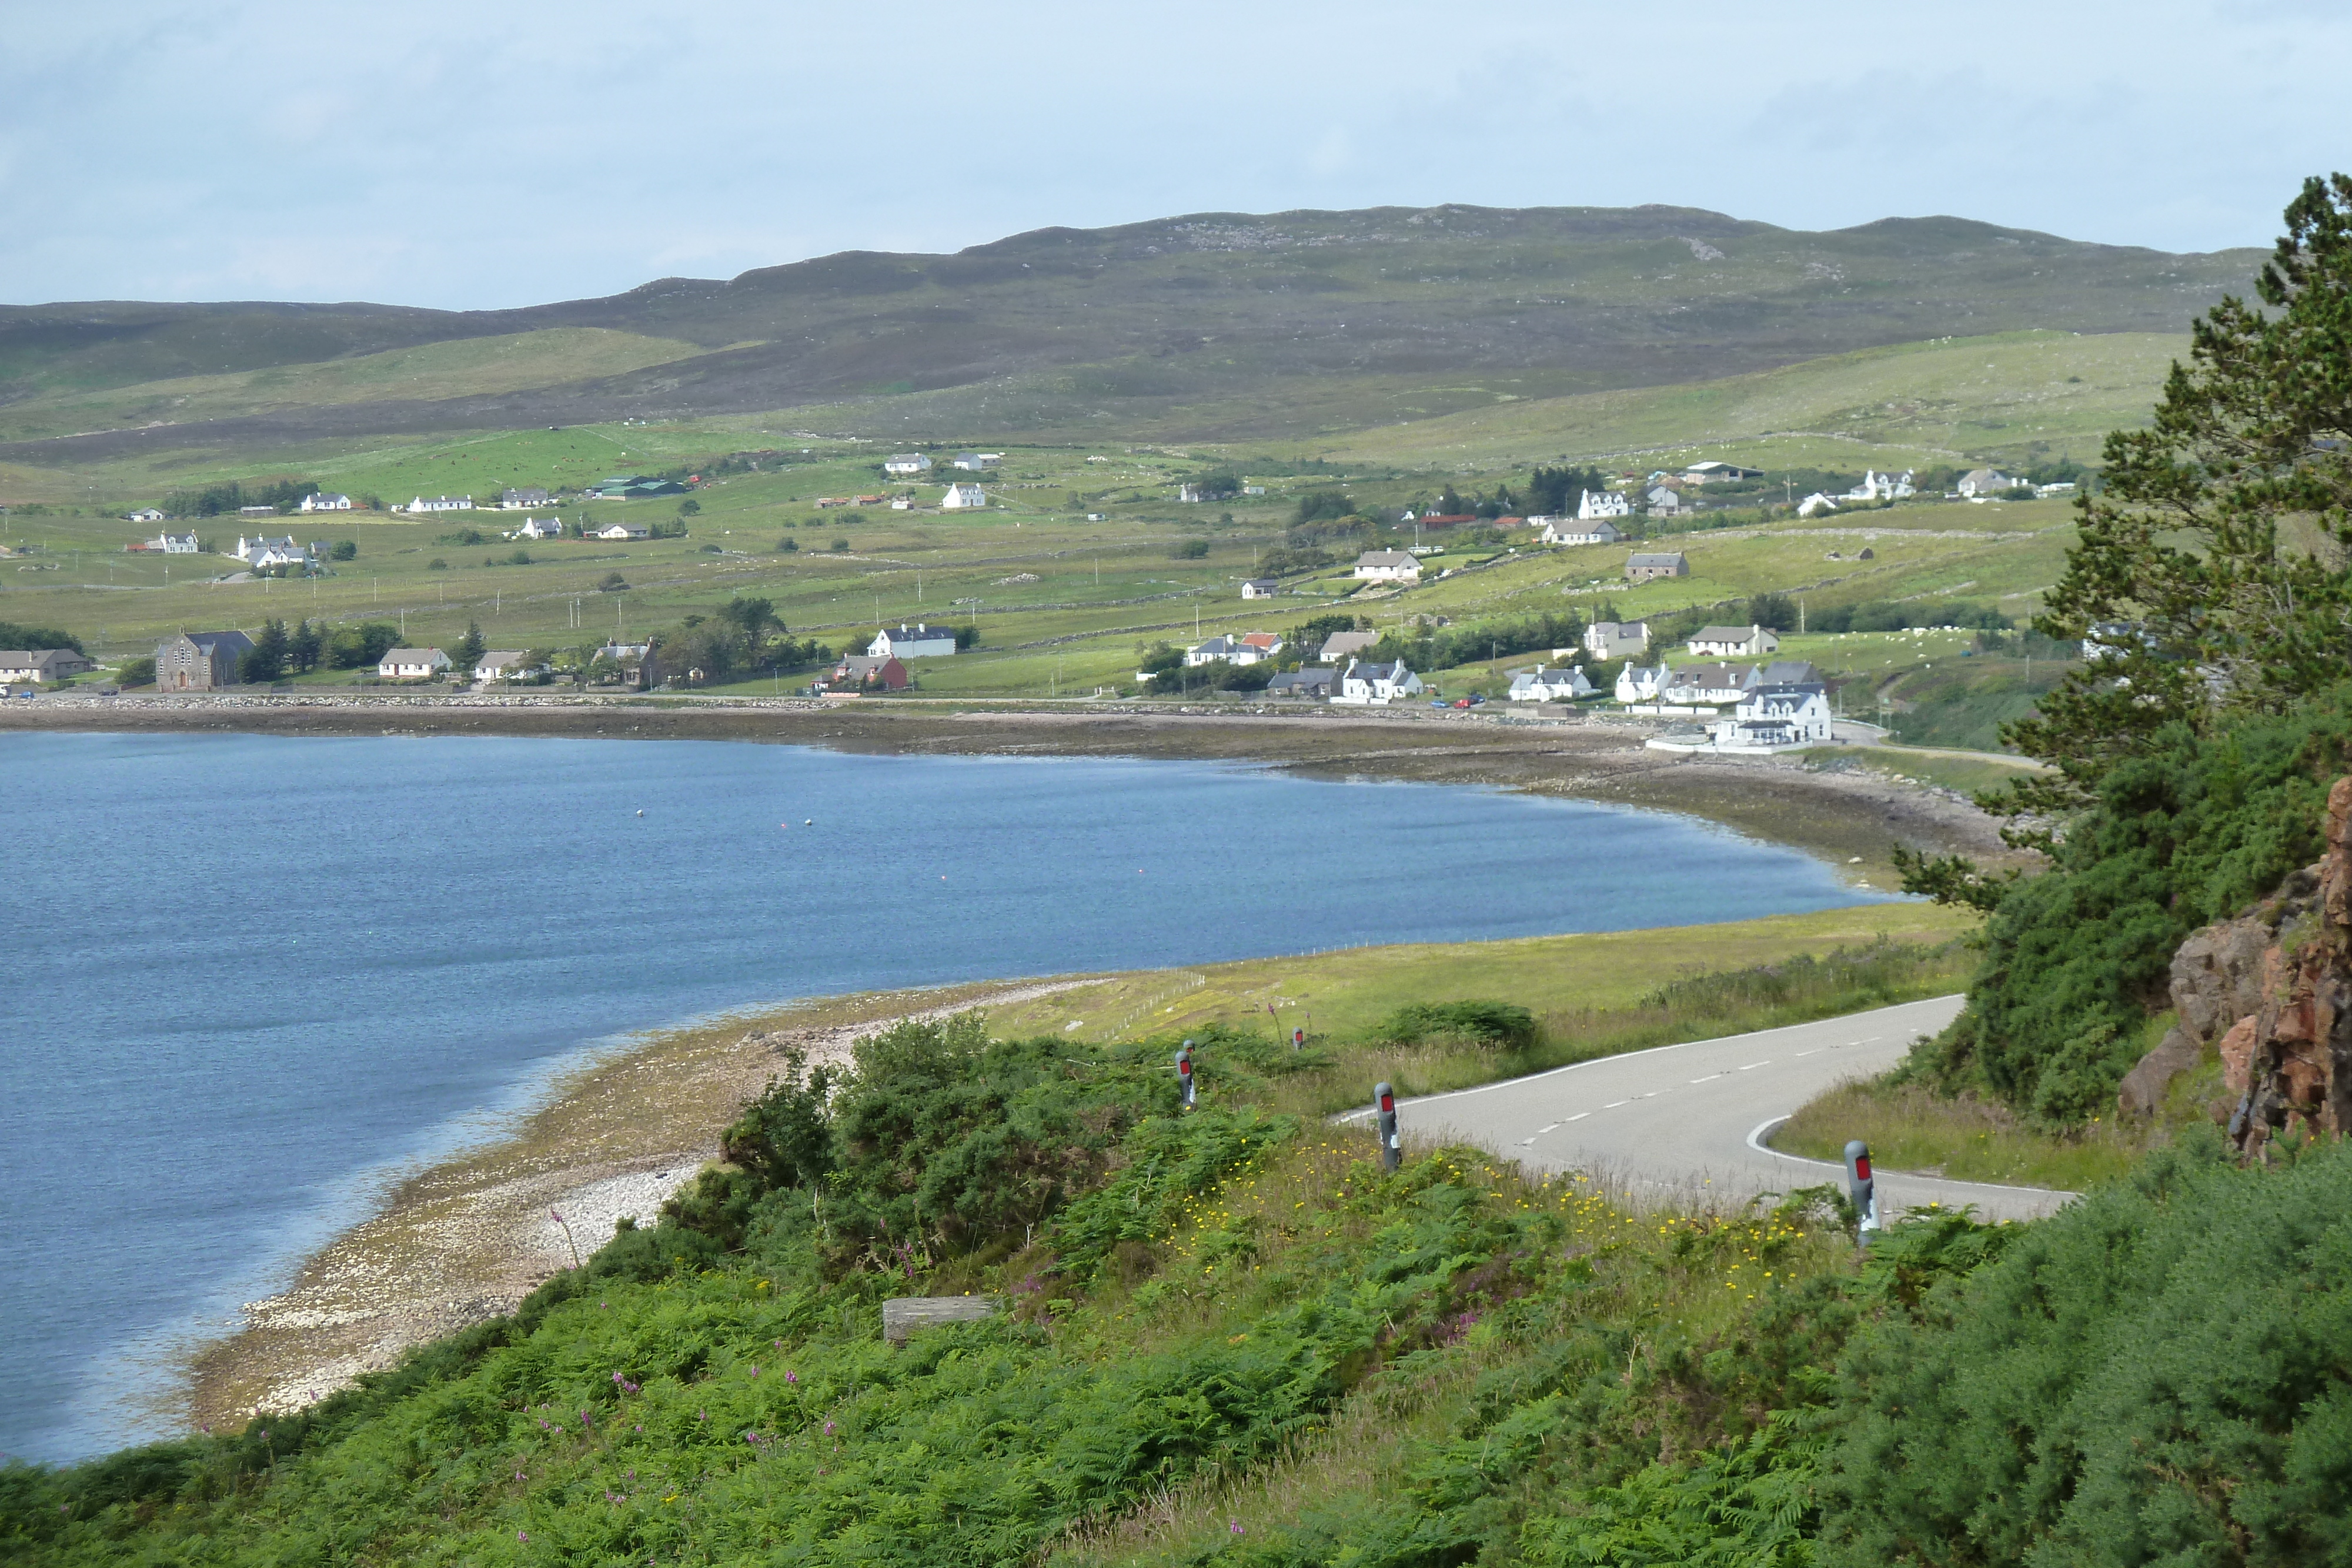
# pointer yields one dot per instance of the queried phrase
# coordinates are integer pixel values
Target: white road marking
(1708, 1079)
(1816, 1051)
(1579, 1116)
(1615, 1104)
(1754, 1065)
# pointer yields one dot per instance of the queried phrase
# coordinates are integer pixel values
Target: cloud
(468, 155)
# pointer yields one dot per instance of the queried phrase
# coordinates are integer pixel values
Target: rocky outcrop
(2270, 992)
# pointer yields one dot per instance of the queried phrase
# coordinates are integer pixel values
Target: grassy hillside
(1060, 330)
(1231, 1338)
(2008, 396)
(456, 368)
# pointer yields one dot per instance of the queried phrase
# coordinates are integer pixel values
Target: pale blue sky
(500, 153)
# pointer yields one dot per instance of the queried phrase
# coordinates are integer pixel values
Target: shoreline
(1853, 820)
(466, 1239)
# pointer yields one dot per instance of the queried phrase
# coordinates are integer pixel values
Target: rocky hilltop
(2269, 991)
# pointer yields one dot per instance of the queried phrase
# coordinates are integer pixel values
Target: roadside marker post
(1184, 1073)
(1391, 1152)
(1298, 1040)
(1863, 1188)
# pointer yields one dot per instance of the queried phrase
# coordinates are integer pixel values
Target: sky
(486, 154)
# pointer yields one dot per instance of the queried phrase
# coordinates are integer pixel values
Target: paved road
(1688, 1121)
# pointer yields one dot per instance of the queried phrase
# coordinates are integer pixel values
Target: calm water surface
(249, 978)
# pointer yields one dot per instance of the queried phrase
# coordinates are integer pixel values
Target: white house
(442, 503)
(1776, 719)
(1617, 639)
(959, 497)
(1375, 686)
(1877, 486)
(266, 558)
(905, 464)
(38, 666)
(251, 551)
(174, 544)
(1387, 566)
(411, 664)
(1700, 683)
(621, 532)
(522, 500)
(534, 528)
(145, 515)
(1542, 684)
(1734, 643)
(2045, 492)
(326, 503)
(1260, 588)
(1596, 504)
(918, 642)
(1561, 531)
(1814, 504)
(1248, 650)
(1978, 483)
(508, 664)
(1639, 685)
(1665, 502)
(977, 462)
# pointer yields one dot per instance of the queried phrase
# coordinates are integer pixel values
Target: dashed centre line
(1754, 1065)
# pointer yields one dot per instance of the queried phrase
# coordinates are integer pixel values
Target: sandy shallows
(467, 1240)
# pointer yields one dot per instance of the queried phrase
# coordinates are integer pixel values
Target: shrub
(613, 582)
(1495, 1026)
(1191, 549)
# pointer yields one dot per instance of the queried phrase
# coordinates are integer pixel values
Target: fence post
(1391, 1152)
(1863, 1188)
(1184, 1072)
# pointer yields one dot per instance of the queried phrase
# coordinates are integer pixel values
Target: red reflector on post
(1388, 1101)
(1861, 1168)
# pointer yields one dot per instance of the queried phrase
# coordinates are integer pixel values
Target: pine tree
(2212, 571)
(467, 654)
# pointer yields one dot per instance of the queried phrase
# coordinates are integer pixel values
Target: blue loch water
(248, 978)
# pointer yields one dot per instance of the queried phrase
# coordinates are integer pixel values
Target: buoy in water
(808, 822)
(641, 812)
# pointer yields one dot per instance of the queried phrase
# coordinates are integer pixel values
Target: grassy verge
(1909, 1127)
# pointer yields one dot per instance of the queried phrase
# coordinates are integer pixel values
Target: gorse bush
(1495, 1026)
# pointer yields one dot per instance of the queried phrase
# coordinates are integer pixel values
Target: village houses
(1375, 686)
(199, 660)
(1776, 719)
(960, 497)
(1638, 684)
(1708, 472)
(1642, 567)
(1566, 683)
(1877, 486)
(1709, 684)
(442, 503)
(1613, 640)
(906, 464)
(1983, 484)
(1260, 588)
(326, 503)
(1250, 649)
(1733, 643)
(636, 665)
(41, 666)
(536, 528)
(1340, 646)
(509, 665)
(919, 642)
(1309, 681)
(978, 462)
(145, 515)
(411, 664)
(620, 531)
(1561, 531)
(1387, 566)
(523, 500)
(866, 671)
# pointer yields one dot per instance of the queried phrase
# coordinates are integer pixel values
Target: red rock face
(2271, 990)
